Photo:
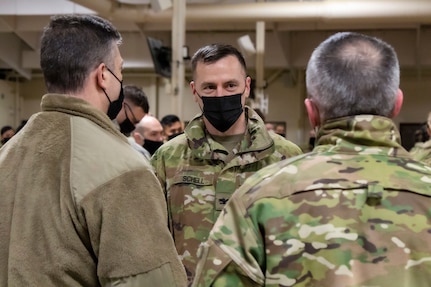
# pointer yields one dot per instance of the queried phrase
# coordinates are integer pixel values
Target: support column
(178, 69)
(260, 67)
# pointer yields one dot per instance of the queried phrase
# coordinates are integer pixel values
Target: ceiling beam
(378, 11)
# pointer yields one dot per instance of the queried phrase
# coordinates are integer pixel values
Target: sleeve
(232, 256)
(158, 163)
(126, 219)
(159, 168)
(285, 147)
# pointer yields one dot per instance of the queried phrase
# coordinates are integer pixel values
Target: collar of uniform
(257, 139)
(424, 145)
(367, 134)
(79, 107)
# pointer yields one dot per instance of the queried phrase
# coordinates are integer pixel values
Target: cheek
(121, 116)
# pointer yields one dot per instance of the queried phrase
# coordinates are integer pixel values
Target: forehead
(224, 69)
(174, 125)
(137, 111)
(8, 133)
(154, 126)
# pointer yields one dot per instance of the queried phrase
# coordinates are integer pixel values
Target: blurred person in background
(172, 126)
(421, 151)
(7, 132)
(152, 133)
(135, 107)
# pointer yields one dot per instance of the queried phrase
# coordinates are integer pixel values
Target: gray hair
(350, 74)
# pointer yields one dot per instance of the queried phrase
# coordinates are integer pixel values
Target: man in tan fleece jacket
(79, 206)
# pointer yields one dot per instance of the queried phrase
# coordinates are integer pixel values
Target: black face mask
(115, 106)
(151, 146)
(127, 126)
(222, 112)
(173, 135)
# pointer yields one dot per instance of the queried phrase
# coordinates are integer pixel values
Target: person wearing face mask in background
(172, 126)
(280, 129)
(78, 206)
(135, 107)
(152, 133)
(149, 127)
(7, 132)
(221, 147)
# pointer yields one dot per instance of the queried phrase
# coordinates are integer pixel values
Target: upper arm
(126, 218)
(157, 161)
(229, 257)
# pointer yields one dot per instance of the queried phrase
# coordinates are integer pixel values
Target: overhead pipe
(379, 11)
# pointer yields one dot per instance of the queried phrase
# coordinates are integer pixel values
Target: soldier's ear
(194, 92)
(313, 113)
(398, 104)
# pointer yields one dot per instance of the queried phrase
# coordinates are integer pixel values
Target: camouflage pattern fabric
(422, 152)
(199, 176)
(354, 212)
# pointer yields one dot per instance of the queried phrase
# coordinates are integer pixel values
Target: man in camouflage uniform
(353, 212)
(422, 150)
(200, 169)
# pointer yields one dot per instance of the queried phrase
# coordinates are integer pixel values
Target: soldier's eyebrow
(206, 84)
(228, 82)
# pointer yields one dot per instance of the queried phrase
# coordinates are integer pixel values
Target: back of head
(168, 120)
(137, 97)
(72, 46)
(351, 74)
(212, 53)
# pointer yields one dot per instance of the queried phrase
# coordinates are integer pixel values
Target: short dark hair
(168, 120)
(212, 53)
(72, 46)
(5, 129)
(137, 97)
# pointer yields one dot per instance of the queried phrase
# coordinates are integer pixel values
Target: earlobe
(313, 113)
(398, 103)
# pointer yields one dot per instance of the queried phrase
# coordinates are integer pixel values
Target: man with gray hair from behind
(353, 212)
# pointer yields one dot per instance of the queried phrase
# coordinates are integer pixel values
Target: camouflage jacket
(198, 177)
(354, 212)
(422, 152)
